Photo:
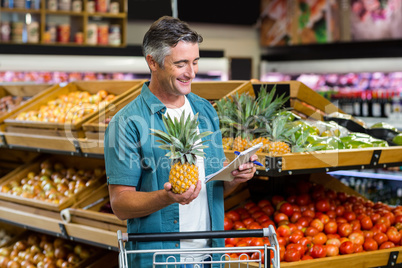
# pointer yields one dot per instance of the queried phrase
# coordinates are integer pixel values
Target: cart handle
(147, 237)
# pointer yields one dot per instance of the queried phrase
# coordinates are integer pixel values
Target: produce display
(39, 250)
(68, 108)
(313, 222)
(246, 121)
(53, 183)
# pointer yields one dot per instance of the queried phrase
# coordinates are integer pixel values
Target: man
(138, 170)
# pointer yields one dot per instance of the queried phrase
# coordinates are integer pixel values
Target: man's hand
(246, 171)
(186, 197)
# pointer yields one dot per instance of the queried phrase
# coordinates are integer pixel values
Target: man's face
(180, 68)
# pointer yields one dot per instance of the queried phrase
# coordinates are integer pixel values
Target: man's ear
(151, 63)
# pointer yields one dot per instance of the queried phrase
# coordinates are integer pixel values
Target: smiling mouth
(183, 81)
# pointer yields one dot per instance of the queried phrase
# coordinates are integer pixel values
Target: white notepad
(225, 174)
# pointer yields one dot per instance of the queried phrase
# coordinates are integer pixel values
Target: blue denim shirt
(133, 158)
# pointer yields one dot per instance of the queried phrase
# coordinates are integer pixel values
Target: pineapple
(280, 136)
(185, 145)
(227, 143)
(245, 117)
(265, 143)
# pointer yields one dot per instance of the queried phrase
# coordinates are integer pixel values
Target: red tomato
(296, 236)
(269, 210)
(227, 224)
(232, 215)
(342, 196)
(356, 238)
(318, 251)
(263, 202)
(276, 199)
(257, 214)
(387, 244)
(358, 248)
(283, 230)
(292, 255)
(286, 208)
(333, 241)
(248, 221)
(375, 216)
(322, 217)
(346, 247)
(366, 223)
(320, 239)
(331, 227)
(305, 242)
(254, 225)
(332, 250)
(344, 229)
(266, 224)
(291, 199)
(296, 215)
(318, 224)
(308, 213)
(239, 225)
(303, 221)
(263, 218)
(298, 247)
(254, 209)
(356, 226)
(393, 235)
(368, 234)
(257, 242)
(370, 244)
(232, 241)
(349, 216)
(379, 227)
(398, 218)
(380, 238)
(384, 220)
(339, 210)
(331, 214)
(250, 205)
(311, 231)
(307, 257)
(303, 199)
(278, 216)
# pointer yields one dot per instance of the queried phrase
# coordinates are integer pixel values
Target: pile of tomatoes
(314, 222)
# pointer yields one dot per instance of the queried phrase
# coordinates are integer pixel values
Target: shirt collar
(153, 103)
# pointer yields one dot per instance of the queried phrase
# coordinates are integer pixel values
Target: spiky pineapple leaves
(246, 116)
(182, 138)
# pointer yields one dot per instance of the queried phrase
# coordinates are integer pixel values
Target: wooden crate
(94, 129)
(377, 258)
(305, 100)
(27, 91)
(68, 162)
(86, 212)
(326, 160)
(216, 90)
(118, 88)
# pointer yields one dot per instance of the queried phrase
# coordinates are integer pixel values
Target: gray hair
(164, 34)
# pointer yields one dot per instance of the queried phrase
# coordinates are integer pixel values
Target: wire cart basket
(225, 260)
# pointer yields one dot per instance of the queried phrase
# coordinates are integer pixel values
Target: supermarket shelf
(368, 174)
(50, 222)
(327, 161)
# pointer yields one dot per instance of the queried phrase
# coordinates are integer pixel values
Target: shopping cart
(225, 260)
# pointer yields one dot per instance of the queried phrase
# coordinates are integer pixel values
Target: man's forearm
(129, 204)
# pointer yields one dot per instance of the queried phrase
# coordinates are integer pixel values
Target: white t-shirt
(194, 216)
